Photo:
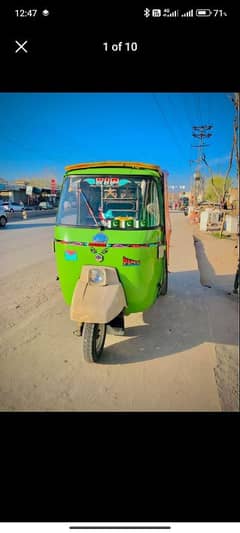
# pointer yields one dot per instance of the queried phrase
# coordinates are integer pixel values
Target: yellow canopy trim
(113, 164)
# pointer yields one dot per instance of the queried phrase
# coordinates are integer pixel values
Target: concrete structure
(204, 216)
(232, 224)
(13, 193)
(20, 193)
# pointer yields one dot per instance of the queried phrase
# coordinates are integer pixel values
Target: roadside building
(49, 196)
(24, 192)
(13, 193)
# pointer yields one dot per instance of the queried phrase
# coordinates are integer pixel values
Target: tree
(214, 188)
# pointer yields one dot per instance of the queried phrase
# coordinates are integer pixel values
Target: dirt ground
(217, 263)
(181, 355)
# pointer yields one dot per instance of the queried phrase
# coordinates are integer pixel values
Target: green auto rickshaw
(111, 244)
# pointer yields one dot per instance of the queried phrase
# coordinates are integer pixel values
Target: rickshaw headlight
(97, 276)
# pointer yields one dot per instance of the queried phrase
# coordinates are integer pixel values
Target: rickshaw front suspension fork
(116, 326)
(79, 331)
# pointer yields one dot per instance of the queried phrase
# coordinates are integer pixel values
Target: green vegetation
(214, 189)
(219, 236)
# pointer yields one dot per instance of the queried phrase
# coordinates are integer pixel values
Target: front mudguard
(95, 303)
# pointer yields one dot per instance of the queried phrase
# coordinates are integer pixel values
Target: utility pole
(236, 139)
(236, 127)
(235, 147)
(202, 133)
(235, 98)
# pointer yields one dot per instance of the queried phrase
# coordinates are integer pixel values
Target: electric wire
(199, 108)
(180, 148)
(186, 109)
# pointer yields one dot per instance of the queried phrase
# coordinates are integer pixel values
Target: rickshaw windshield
(123, 202)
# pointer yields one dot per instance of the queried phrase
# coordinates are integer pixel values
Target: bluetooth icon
(146, 12)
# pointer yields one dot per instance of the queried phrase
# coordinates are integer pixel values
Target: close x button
(21, 47)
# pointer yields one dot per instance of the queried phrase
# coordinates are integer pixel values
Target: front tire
(164, 287)
(3, 222)
(93, 341)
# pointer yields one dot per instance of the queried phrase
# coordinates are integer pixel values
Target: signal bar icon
(188, 13)
(174, 13)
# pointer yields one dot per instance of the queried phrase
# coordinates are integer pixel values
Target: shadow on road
(24, 225)
(177, 322)
(208, 276)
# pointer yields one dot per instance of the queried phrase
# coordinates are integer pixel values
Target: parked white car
(45, 205)
(12, 207)
(3, 217)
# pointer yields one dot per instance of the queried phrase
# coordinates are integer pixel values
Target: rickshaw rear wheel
(93, 341)
(164, 287)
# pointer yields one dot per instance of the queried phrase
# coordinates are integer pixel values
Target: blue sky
(41, 133)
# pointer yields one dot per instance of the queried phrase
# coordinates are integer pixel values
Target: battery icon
(203, 12)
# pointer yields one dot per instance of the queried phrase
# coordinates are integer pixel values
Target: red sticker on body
(130, 262)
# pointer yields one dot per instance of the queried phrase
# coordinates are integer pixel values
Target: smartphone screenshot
(119, 230)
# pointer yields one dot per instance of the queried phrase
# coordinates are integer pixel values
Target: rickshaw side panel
(168, 226)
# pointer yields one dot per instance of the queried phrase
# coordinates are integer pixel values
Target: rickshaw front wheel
(3, 221)
(93, 341)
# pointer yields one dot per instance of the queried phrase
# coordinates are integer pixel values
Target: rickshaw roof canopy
(104, 164)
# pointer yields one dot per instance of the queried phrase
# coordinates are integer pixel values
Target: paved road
(26, 242)
(166, 361)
